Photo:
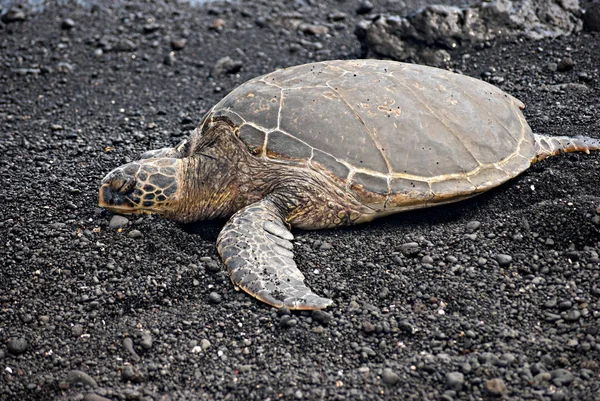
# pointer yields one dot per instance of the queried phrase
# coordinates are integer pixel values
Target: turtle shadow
(208, 230)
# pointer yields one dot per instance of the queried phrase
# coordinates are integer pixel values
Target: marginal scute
(283, 146)
(372, 183)
(489, 178)
(456, 187)
(325, 161)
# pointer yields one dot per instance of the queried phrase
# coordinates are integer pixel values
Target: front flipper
(255, 246)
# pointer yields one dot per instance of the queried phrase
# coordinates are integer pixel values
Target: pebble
(13, 15)
(473, 226)
(77, 376)
(94, 397)
(364, 7)
(125, 45)
(495, 386)
(503, 259)
(565, 64)
(389, 377)
(146, 341)
(178, 44)
(314, 30)
(427, 260)
(67, 24)
(214, 297)
(325, 246)
(287, 321)
(76, 330)
(205, 344)
(559, 396)
(226, 65)
(368, 327)
(17, 346)
(217, 25)
(128, 345)
(409, 248)
(169, 59)
(118, 221)
(455, 380)
(134, 234)
(573, 315)
(541, 378)
(561, 377)
(321, 317)
(132, 374)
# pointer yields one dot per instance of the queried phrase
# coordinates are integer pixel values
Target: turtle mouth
(118, 202)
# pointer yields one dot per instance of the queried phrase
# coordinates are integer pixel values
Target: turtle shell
(398, 135)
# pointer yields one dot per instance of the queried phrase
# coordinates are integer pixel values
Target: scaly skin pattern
(226, 177)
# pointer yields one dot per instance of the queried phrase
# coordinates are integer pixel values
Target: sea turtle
(325, 145)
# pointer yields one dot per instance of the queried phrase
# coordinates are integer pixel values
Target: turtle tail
(553, 145)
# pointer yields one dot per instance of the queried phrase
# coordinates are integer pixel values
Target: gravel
(407, 319)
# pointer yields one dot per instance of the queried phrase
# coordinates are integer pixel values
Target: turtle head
(151, 186)
(193, 181)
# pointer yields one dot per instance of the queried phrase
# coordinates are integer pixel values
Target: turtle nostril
(121, 183)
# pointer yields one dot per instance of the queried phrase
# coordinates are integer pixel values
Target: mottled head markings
(144, 186)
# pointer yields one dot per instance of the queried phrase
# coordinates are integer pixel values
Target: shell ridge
(491, 115)
(442, 120)
(369, 133)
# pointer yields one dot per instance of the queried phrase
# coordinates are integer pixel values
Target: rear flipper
(552, 145)
(255, 245)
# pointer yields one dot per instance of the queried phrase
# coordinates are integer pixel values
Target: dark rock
(134, 234)
(443, 28)
(132, 374)
(214, 297)
(473, 226)
(125, 45)
(13, 15)
(67, 24)
(502, 259)
(146, 341)
(128, 345)
(409, 248)
(151, 27)
(495, 386)
(77, 376)
(455, 380)
(118, 221)
(178, 44)
(561, 377)
(591, 18)
(226, 65)
(17, 346)
(565, 64)
(314, 30)
(364, 7)
(368, 327)
(389, 377)
(94, 397)
(169, 59)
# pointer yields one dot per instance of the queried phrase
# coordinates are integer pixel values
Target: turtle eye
(121, 183)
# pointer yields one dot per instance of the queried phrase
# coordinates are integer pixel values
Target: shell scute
(431, 134)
